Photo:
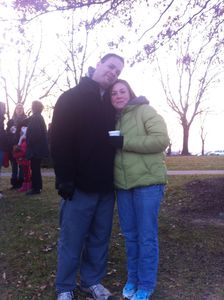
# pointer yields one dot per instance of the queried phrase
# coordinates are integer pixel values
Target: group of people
(24, 143)
(93, 167)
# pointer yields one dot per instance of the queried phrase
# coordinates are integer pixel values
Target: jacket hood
(133, 102)
(138, 101)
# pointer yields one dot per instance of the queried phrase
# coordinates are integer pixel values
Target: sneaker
(98, 292)
(142, 295)
(66, 296)
(129, 290)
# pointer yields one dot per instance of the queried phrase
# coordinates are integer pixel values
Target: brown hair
(109, 55)
(124, 82)
(15, 114)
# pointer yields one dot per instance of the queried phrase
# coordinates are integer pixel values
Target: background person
(140, 177)
(3, 139)
(13, 133)
(83, 162)
(37, 145)
(19, 153)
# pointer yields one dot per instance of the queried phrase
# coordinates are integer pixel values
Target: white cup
(114, 133)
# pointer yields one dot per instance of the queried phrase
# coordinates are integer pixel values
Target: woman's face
(120, 96)
(19, 110)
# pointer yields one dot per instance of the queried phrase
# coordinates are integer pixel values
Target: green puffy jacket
(141, 162)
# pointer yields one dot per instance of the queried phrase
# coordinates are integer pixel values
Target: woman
(140, 178)
(37, 145)
(19, 153)
(13, 133)
(3, 138)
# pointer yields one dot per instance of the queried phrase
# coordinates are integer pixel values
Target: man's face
(106, 73)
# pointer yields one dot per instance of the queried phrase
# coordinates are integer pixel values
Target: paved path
(196, 172)
(173, 172)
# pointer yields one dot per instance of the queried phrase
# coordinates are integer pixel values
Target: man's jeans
(85, 228)
(1, 158)
(138, 210)
(17, 171)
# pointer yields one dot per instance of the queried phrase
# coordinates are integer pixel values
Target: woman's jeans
(138, 210)
(1, 162)
(85, 228)
(1, 158)
(17, 173)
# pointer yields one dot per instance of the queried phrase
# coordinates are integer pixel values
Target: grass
(191, 255)
(195, 162)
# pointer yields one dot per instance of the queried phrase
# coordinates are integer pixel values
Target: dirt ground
(206, 199)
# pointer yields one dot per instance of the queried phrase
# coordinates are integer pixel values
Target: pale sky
(142, 78)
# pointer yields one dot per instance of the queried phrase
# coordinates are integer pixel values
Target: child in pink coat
(19, 153)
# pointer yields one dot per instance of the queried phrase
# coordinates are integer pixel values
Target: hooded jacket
(13, 130)
(3, 137)
(36, 137)
(141, 161)
(79, 138)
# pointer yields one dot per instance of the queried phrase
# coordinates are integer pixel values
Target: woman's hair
(2, 108)
(37, 106)
(124, 82)
(15, 114)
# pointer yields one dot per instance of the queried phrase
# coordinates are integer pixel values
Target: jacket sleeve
(3, 137)
(154, 140)
(63, 138)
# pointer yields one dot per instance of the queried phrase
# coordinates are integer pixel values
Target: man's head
(108, 70)
(37, 107)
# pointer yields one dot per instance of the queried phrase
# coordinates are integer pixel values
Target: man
(83, 161)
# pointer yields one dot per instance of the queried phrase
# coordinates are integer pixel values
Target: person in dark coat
(83, 161)
(3, 138)
(13, 133)
(37, 145)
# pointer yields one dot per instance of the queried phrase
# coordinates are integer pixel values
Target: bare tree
(198, 66)
(24, 76)
(171, 17)
(203, 135)
(75, 43)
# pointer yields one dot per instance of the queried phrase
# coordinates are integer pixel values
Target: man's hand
(116, 141)
(66, 190)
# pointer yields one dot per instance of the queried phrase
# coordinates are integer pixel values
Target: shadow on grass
(191, 254)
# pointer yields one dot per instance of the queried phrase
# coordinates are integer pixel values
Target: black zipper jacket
(79, 138)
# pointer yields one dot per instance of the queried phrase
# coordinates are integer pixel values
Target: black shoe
(13, 187)
(33, 192)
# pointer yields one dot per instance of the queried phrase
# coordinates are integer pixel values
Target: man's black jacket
(79, 138)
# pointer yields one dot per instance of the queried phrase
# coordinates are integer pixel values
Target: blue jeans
(1, 158)
(17, 171)
(85, 228)
(138, 210)
(1, 162)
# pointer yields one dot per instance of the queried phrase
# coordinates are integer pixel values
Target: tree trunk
(202, 147)
(185, 140)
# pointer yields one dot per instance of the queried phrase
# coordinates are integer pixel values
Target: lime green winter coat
(141, 162)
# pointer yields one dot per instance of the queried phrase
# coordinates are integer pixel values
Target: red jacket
(19, 153)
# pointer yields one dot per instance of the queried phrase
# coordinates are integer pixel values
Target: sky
(142, 76)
